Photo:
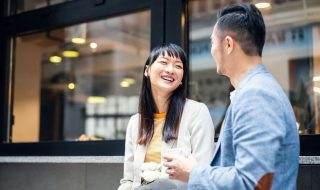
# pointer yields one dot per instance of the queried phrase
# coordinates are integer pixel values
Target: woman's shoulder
(193, 107)
(135, 116)
(193, 104)
(134, 119)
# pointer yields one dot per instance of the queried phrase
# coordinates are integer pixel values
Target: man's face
(216, 51)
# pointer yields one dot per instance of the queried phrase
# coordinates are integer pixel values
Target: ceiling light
(78, 40)
(124, 84)
(96, 99)
(77, 34)
(55, 59)
(93, 45)
(316, 78)
(262, 4)
(71, 85)
(70, 53)
(129, 80)
(316, 89)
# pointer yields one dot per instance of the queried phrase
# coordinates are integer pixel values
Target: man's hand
(179, 167)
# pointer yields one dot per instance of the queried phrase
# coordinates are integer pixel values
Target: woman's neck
(161, 100)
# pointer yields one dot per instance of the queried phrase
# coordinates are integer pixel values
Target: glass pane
(80, 82)
(27, 5)
(291, 54)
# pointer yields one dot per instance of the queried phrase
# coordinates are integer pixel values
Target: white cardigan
(196, 134)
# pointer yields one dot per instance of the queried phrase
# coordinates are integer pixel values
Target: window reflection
(27, 5)
(80, 82)
(291, 54)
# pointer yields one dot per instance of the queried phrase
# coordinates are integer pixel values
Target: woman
(166, 118)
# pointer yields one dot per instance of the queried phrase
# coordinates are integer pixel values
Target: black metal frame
(309, 145)
(166, 26)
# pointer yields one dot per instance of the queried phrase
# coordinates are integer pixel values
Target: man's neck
(242, 67)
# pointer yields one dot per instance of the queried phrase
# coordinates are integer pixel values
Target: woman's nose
(169, 68)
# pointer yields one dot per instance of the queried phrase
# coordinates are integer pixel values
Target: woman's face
(165, 74)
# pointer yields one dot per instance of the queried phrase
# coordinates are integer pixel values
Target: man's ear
(229, 44)
(146, 71)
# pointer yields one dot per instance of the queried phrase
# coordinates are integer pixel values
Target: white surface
(101, 159)
(61, 159)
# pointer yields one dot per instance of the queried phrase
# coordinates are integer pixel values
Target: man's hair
(244, 23)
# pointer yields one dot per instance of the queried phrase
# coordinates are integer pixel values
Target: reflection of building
(80, 64)
(291, 43)
(50, 96)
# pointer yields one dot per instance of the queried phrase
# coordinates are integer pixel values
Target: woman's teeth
(168, 79)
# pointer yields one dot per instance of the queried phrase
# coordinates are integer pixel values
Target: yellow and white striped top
(153, 152)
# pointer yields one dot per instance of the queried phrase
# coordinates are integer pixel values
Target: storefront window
(79, 82)
(291, 54)
(27, 5)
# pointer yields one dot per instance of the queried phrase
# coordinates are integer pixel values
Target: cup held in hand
(174, 152)
(177, 151)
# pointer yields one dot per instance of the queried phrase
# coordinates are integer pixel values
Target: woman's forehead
(166, 54)
(170, 58)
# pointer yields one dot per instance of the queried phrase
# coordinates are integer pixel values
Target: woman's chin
(167, 88)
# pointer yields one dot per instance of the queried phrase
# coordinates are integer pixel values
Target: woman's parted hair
(147, 106)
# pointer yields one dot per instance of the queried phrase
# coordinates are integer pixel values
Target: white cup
(174, 151)
(177, 151)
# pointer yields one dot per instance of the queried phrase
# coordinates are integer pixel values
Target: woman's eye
(179, 67)
(163, 62)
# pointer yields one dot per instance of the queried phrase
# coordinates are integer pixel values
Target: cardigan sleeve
(127, 181)
(202, 135)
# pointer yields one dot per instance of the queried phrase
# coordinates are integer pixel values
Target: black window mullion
(2, 9)
(6, 92)
(81, 148)
(2, 76)
(69, 13)
(157, 22)
(174, 11)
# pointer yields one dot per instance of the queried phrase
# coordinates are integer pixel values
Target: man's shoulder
(263, 83)
(262, 90)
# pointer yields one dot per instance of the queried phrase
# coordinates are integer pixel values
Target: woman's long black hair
(147, 106)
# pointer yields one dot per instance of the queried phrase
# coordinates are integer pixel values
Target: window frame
(166, 15)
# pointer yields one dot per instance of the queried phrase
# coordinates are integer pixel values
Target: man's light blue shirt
(259, 142)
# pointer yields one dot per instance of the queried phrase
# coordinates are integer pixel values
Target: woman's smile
(168, 78)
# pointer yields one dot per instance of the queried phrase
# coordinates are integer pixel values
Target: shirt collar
(258, 69)
(232, 95)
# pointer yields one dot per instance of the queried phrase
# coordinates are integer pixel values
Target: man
(258, 147)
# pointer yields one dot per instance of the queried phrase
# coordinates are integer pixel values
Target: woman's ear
(146, 71)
